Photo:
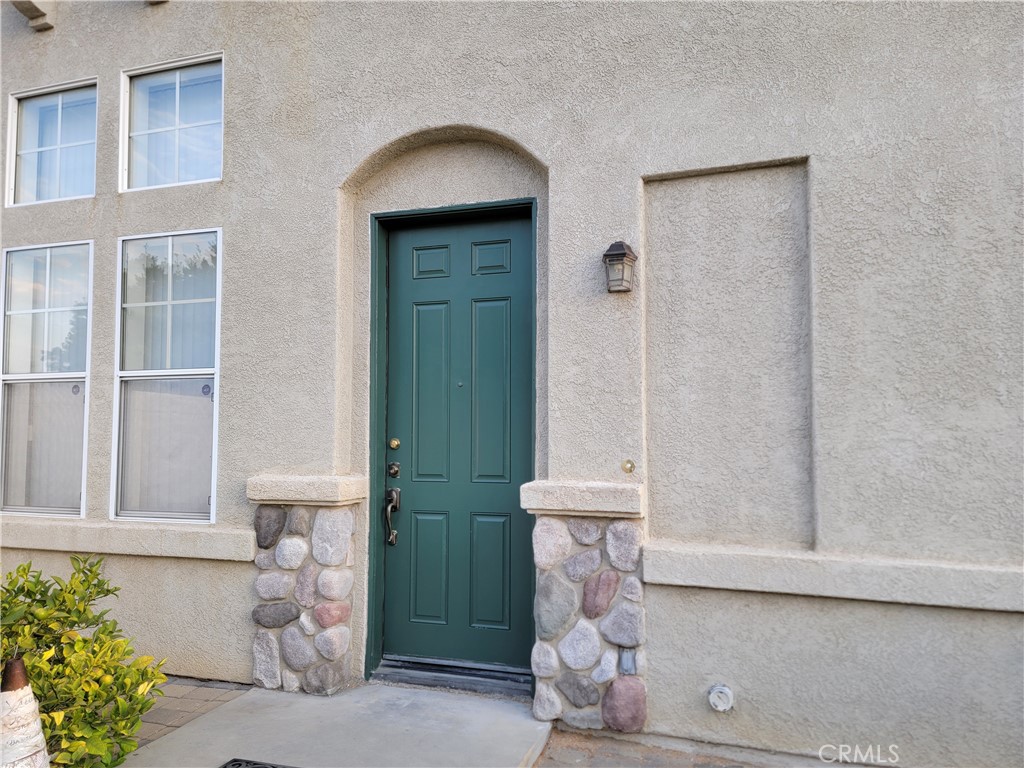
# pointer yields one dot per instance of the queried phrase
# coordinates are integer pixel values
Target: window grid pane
(46, 326)
(169, 304)
(43, 443)
(56, 146)
(166, 447)
(175, 126)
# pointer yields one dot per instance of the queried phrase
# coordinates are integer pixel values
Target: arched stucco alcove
(433, 168)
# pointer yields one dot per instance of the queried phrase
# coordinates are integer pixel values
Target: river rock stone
(623, 543)
(307, 624)
(586, 532)
(578, 567)
(580, 648)
(546, 704)
(624, 706)
(296, 651)
(544, 660)
(641, 663)
(580, 690)
(624, 625)
(290, 552)
(265, 559)
(305, 586)
(605, 671)
(300, 520)
(554, 604)
(335, 584)
(323, 680)
(331, 614)
(290, 681)
(627, 661)
(275, 614)
(274, 585)
(269, 522)
(589, 718)
(632, 589)
(333, 642)
(551, 542)
(332, 535)
(266, 660)
(598, 592)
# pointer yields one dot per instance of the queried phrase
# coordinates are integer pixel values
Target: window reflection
(175, 132)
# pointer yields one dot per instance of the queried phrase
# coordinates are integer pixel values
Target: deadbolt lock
(394, 443)
(394, 469)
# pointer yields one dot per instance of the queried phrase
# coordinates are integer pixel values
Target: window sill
(51, 200)
(174, 184)
(195, 542)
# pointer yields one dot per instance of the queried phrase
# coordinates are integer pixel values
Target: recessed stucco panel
(943, 685)
(728, 358)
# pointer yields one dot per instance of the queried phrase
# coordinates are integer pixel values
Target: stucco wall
(899, 411)
(194, 613)
(944, 686)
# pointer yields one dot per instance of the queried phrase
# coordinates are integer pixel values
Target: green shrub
(91, 694)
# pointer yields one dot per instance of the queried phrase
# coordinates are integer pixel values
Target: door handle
(392, 501)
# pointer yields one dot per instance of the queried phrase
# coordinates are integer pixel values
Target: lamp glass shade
(619, 273)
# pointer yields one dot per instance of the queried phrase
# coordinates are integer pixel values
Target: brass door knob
(394, 443)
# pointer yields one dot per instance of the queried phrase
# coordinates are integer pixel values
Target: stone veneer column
(305, 559)
(588, 658)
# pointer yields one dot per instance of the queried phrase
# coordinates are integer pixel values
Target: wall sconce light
(618, 264)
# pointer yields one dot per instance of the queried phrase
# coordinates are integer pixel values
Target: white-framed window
(165, 410)
(173, 123)
(46, 323)
(52, 144)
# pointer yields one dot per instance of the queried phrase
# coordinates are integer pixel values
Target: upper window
(175, 126)
(46, 332)
(56, 146)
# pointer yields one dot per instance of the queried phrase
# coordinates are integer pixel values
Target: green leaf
(96, 745)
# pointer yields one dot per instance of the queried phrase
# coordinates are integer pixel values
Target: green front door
(459, 579)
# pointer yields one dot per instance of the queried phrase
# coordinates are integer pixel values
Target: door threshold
(444, 673)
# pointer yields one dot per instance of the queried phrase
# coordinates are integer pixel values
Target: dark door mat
(238, 762)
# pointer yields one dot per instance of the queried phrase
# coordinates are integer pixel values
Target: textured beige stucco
(582, 498)
(308, 489)
(905, 120)
(828, 574)
(943, 685)
(728, 356)
(194, 613)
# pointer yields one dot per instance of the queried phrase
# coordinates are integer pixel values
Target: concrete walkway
(186, 699)
(373, 725)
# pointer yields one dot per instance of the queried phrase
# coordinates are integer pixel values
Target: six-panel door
(459, 581)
